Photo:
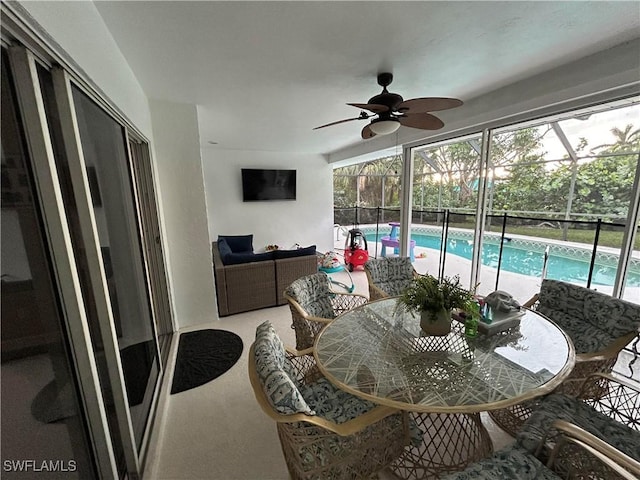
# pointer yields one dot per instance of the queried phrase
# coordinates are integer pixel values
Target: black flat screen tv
(260, 184)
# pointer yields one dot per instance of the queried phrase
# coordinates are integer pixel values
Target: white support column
(483, 170)
(633, 217)
(406, 203)
(574, 173)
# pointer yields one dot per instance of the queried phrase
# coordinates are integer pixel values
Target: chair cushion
(563, 407)
(592, 319)
(238, 243)
(336, 405)
(313, 294)
(276, 373)
(584, 336)
(391, 275)
(511, 462)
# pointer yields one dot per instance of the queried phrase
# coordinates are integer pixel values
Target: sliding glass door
(83, 280)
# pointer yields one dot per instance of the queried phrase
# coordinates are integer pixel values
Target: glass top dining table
(378, 352)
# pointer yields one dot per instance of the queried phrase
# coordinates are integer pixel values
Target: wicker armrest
(376, 293)
(531, 302)
(306, 326)
(580, 452)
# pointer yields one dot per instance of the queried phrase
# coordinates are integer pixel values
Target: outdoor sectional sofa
(249, 281)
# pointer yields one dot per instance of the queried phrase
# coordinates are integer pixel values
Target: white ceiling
(263, 74)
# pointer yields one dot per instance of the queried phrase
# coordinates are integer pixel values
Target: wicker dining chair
(388, 277)
(314, 304)
(599, 326)
(576, 455)
(324, 432)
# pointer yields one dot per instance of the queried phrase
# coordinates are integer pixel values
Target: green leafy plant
(426, 293)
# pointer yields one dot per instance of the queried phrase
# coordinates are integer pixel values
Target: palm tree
(625, 140)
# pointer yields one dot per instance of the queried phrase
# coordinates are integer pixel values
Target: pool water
(518, 260)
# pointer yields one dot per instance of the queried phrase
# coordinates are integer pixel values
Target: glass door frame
(84, 205)
(151, 231)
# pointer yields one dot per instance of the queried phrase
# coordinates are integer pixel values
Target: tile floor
(217, 431)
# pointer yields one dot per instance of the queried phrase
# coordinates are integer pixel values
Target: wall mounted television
(259, 184)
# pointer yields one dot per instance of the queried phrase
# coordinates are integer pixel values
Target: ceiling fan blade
(361, 117)
(367, 133)
(428, 104)
(423, 121)
(372, 107)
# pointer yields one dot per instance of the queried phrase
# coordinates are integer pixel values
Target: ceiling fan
(390, 110)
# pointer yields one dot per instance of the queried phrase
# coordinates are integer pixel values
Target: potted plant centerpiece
(434, 300)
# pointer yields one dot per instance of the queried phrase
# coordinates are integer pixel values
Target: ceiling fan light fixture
(384, 127)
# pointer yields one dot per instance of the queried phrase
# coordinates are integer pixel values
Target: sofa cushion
(238, 243)
(275, 373)
(239, 258)
(224, 249)
(298, 252)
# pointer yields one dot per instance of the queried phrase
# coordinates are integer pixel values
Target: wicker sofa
(259, 284)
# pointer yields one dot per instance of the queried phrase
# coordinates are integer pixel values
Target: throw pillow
(238, 243)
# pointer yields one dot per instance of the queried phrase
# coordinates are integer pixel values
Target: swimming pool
(526, 261)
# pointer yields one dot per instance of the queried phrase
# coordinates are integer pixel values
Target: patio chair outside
(314, 304)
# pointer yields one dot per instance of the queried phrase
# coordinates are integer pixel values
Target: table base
(450, 443)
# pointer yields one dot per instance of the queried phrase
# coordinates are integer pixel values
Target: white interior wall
(81, 32)
(180, 178)
(308, 220)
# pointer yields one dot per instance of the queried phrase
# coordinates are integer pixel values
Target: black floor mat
(204, 355)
